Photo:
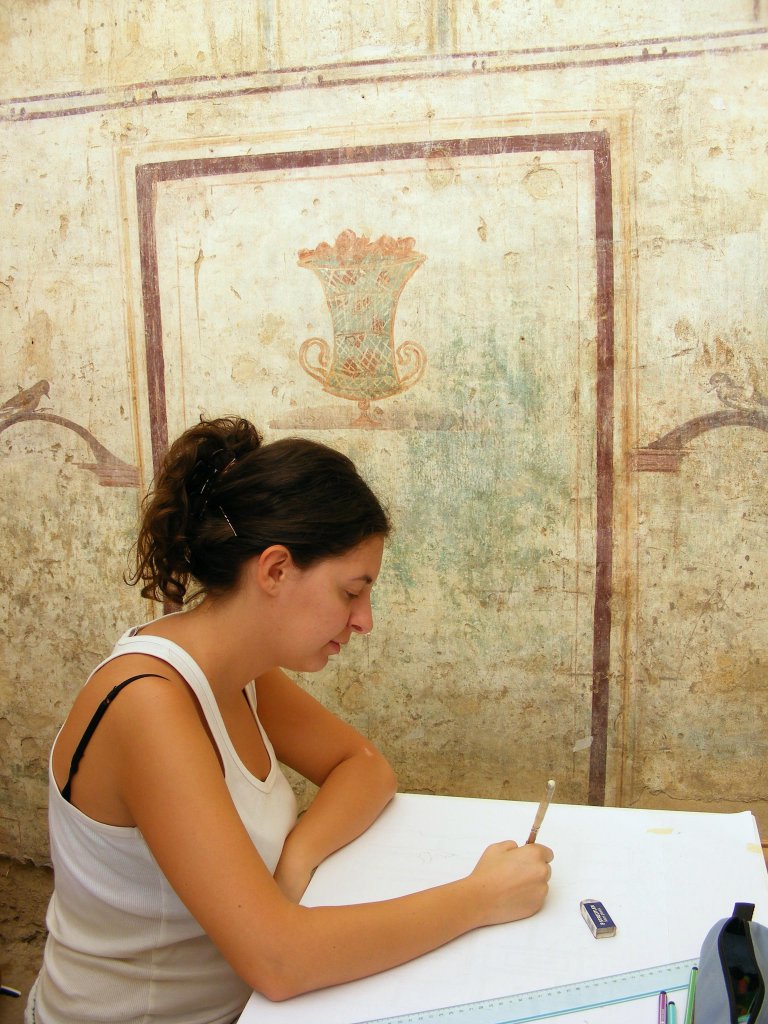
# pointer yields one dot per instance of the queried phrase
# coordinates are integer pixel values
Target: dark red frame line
(304, 69)
(357, 73)
(150, 175)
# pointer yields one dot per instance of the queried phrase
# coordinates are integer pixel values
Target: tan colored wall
(576, 585)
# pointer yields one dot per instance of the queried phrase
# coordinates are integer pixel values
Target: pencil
(691, 995)
(542, 810)
(662, 1007)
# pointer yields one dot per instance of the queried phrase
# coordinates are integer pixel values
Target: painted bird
(735, 395)
(27, 399)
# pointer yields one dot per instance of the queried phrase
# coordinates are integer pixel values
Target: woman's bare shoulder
(128, 713)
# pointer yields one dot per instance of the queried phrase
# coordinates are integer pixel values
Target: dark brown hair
(221, 496)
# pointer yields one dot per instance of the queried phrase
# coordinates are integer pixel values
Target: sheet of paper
(665, 877)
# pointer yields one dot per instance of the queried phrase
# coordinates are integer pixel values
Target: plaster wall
(573, 448)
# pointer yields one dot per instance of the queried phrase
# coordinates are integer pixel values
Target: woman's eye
(351, 596)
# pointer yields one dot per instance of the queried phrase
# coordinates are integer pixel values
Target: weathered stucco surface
(576, 584)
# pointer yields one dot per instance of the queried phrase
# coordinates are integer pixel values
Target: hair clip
(234, 531)
(203, 479)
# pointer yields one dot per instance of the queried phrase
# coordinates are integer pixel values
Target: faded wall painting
(514, 260)
(699, 702)
(23, 407)
(455, 336)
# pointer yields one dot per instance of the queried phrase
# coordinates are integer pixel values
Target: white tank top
(121, 945)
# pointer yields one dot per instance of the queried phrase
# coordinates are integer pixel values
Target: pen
(671, 1013)
(542, 810)
(690, 998)
(662, 1008)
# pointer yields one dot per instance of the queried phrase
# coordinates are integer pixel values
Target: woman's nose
(361, 619)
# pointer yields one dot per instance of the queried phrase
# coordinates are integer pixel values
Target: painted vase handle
(320, 370)
(411, 351)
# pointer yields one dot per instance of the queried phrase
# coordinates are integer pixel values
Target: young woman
(179, 862)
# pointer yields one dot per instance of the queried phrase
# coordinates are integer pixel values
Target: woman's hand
(511, 881)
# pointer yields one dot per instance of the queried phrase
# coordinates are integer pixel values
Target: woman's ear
(271, 568)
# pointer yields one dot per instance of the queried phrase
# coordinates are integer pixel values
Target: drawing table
(665, 878)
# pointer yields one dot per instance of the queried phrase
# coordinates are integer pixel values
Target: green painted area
(474, 499)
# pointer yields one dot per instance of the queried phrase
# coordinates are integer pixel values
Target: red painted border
(149, 176)
(409, 69)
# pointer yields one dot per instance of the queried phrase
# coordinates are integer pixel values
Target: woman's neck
(226, 645)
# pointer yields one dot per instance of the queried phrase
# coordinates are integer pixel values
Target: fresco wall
(512, 261)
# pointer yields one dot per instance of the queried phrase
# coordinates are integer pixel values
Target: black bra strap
(66, 792)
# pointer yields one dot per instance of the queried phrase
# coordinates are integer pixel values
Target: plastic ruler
(560, 999)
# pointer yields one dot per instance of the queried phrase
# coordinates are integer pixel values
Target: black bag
(733, 969)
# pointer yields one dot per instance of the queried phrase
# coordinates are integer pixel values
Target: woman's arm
(170, 780)
(356, 782)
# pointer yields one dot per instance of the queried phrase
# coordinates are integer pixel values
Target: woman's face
(326, 603)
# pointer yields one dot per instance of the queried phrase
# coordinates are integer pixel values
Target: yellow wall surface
(512, 258)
